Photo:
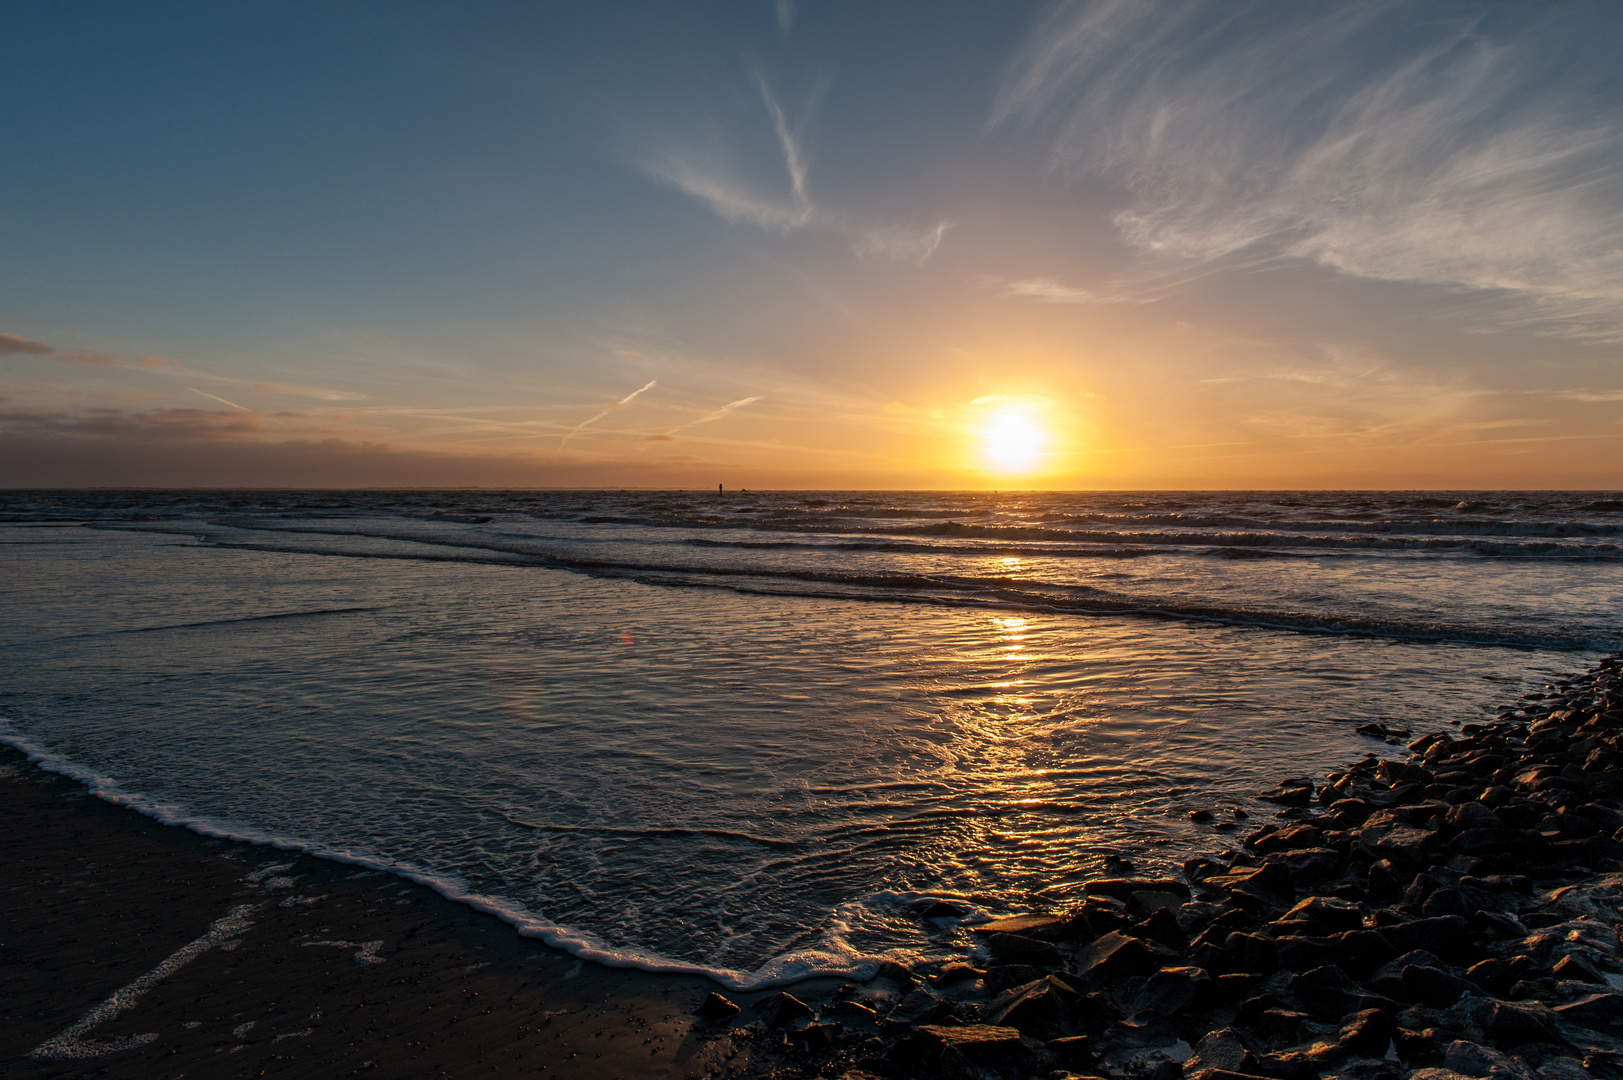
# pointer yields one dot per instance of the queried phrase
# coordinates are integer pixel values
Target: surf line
(72, 1045)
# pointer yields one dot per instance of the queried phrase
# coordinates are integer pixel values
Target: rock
(1299, 836)
(1168, 991)
(1200, 815)
(1116, 956)
(1365, 1033)
(1514, 1024)
(815, 1036)
(999, 977)
(1433, 986)
(1313, 864)
(943, 909)
(1043, 927)
(784, 1010)
(1328, 993)
(1388, 979)
(1298, 953)
(1220, 1050)
(1042, 1008)
(959, 972)
(716, 1009)
(1359, 952)
(1072, 1051)
(1446, 935)
(1446, 902)
(1596, 1010)
(1470, 1059)
(1493, 975)
(978, 1044)
(1473, 815)
(1019, 949)
(851, 1010)
(918, 1007)
(1574, 966)
(1147, 902)
(1122, 888)
(1251, 952)
(1162, 928)
(1324, 915)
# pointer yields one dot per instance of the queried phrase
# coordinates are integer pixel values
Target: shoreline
(191, 955)
(1456, 913)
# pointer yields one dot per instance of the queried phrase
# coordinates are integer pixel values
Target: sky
(1120, 244)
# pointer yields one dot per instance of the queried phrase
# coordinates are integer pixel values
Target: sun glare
(1012, 442)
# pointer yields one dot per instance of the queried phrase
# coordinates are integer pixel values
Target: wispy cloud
(1052, 292)
(708, 177)
(1374, 137)
(622, 403)
(709, 416)
(786, 14)
(216, 397)
(12, 344)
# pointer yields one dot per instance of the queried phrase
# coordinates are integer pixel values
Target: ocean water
(750, 734)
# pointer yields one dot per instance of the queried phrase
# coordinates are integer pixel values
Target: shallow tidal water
(749, 734)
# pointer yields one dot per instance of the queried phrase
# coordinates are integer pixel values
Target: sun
(1012, 441)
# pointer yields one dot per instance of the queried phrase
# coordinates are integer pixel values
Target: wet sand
(133, 949)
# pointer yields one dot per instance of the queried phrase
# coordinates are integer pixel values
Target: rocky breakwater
(1453, 913)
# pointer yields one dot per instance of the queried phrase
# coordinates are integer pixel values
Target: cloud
(11, 343)
(1380, 139)
(706, 177)
(1052, 292)
(786, 14)
(622, 403)
(87, 358)
(716, 415)
(215, 397)
(169, 425)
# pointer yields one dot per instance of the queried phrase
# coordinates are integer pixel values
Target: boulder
(1019, 949)
(1366, 1033)
(1221, 1050)
(978, 1044)
(1044, 927)
(1433, 986)
(1116, 956)
(1328, 993)
(1596, 1010)
(1514, 1024)
(716, 1009)
(1168, 991)
(786, 1010)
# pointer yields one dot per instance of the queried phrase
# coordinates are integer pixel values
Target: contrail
(717, 415)
(618, 404)
(221, 400)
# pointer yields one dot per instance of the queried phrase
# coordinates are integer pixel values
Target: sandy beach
(202, 958)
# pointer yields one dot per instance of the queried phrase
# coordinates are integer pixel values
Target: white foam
(831, 956)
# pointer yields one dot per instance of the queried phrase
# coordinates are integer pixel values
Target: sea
(757, 734)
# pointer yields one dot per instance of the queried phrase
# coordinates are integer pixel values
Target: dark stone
(1493, 975)
(851, 1010)
(941, 909)
(1473, 815)
(1221, 1051)
(1447, 935)
(1433, 986)
(1594, 1010)
(1365, 1033)
(1163, 929)
(1252, 952)
(1200, 815)
(978, 1044)
(1168, 991)
(1573, 966)
(1041, 927)
(999, 977)
(1323, 915)
(1019, 949)
(1297, 953)
(1252, 1008)
(1363, 951)
(1116, 956)
(1041, 1009)
(786, 1010)
(1388, 979)
(1327, 992)
(1446, 902)
(918, 1007)
(1071, 1052)
(1424, 1047)
(1289, 839)
(1512, 1024)
(1309, 865)
(1122, 888)
(1280, 1024)
(716, 1009)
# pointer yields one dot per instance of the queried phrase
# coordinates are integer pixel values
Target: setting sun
(1011, 441)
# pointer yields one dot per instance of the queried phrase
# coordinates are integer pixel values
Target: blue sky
(1185, 244)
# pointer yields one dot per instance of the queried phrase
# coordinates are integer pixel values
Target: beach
(326, 972)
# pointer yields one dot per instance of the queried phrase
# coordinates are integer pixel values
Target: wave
(832, 957)
(971, 591)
